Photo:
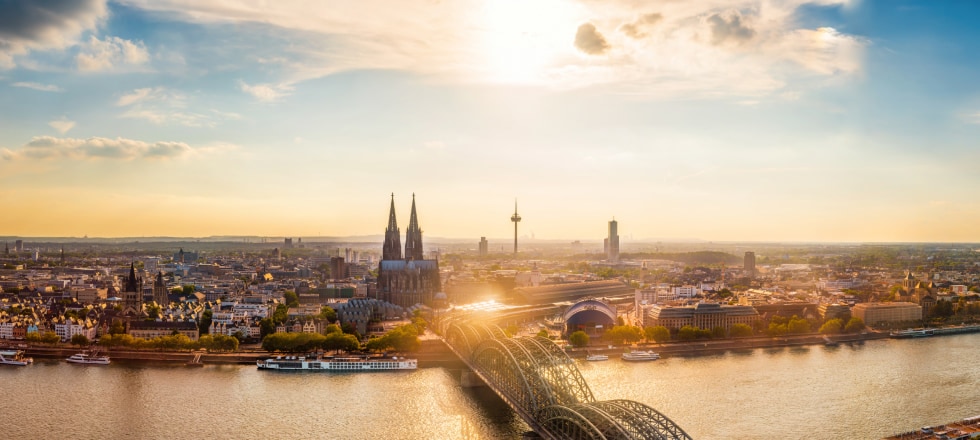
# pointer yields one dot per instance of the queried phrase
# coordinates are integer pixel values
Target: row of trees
(837, 325)
(171, 342)
(292, 342)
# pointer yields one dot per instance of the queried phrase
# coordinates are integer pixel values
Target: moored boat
(596, 357)
(640, 356)
(301, 363)
(82, 358)
(17, 359)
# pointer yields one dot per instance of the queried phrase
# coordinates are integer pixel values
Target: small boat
(82, 358)
(18, 359)
(302, 363)
(596, 357)
(640, 356)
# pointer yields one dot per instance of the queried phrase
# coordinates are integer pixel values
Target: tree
(797, 325)
(281, 313)
(854, 325)
(511, 330)
(332, 328)
(204, 325)
(188, 290)
(328, 313)
(659, 333)
(542, 333)
(832, 326)
(578, 339)
(153, 310)
(719, 332)
(290, 298)
(79, 340)
(687, 333)
(623, 333)
(50, 338)
(740, 330)
(266, 327)
(117, 327)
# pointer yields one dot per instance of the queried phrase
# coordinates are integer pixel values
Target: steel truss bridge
(542, 384)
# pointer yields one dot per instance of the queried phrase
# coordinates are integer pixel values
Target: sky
(723, 120)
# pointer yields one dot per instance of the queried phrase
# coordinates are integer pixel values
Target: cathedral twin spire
(413, 236)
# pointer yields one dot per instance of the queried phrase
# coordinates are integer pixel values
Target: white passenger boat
(82, 358)
(640, 356)
(596, 357)
(301, 363)
(17, 358)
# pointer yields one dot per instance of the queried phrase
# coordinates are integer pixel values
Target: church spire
(413, 237)
(392, 249)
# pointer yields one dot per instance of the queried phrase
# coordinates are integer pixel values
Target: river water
(858, 391)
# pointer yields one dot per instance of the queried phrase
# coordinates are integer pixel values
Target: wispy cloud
(111, 53)
(38, 86)
(96, 148)
(971, 117)
(62, 125)
(161, 106)
(266, 92)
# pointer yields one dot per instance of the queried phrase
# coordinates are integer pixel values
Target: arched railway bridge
(543, 385)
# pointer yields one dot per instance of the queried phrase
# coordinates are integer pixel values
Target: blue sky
(822, 120)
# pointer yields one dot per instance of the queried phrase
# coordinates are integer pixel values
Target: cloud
(971, 118)
(27, 25)
(590, 41)
(638, 28)
(137, 96)
(113, 52)
(62, 125)
(96, 148)
(38, 86)
(161, 106)
(696, 48)
(265, 92)
(731, 29)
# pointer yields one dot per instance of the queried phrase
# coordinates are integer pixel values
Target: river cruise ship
(301, 363)
(82, 358)
(640, 356)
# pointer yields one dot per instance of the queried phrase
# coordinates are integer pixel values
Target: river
(850, 391)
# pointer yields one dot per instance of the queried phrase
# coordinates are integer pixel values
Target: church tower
(133, 293)
(413, 237)
(392, 249)
(160, 291)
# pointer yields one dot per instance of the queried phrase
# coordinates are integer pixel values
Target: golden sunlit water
(849, 391)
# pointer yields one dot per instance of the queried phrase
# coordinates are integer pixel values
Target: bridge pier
(469, 379)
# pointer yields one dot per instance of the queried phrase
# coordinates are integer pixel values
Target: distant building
(552, 293)
(160, 294)
(288, 243)
(19, 246)
(877, 313)
(703, 315)
(338, 268)
(612, 241)
(749, 263)
(484, 246)
(834, 311)
(132, 293)
(410, 280)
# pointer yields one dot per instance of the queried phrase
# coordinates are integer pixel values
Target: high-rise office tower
(612, 247)
(749, 263)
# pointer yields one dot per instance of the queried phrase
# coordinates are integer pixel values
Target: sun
(518, 41)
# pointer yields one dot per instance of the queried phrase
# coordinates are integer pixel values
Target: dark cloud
(48, 147)
(640, 27)
(730, 29)
(590, 41)
(44, 24)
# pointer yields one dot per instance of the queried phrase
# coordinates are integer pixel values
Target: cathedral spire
(413, 237)
(392, 249)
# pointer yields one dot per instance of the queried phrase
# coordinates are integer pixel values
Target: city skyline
(718, 120)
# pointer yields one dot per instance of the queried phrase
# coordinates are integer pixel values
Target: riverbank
(433, 352)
